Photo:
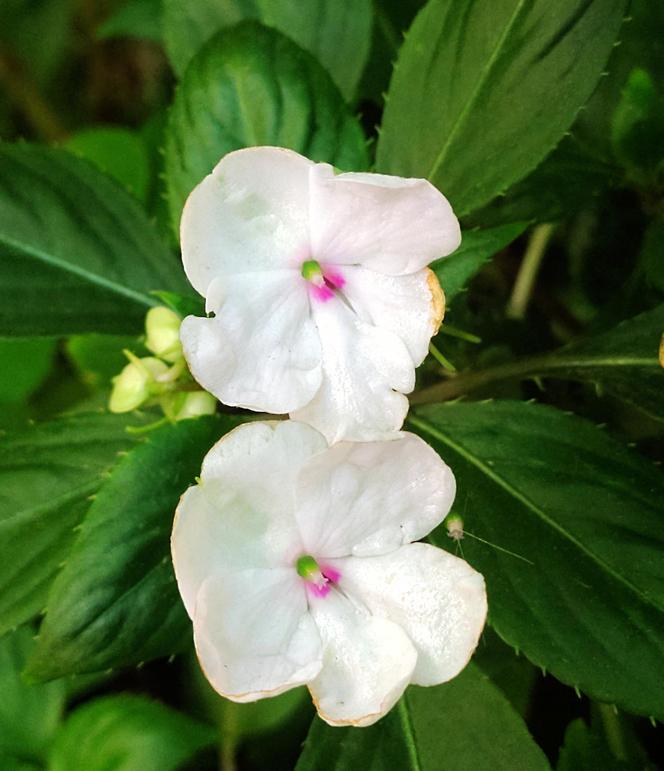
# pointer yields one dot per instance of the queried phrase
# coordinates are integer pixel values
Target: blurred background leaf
(29, 715)
(127, 733)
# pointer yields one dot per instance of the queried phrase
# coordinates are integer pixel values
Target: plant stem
(460, 384)
(445, 363)
(613, 731)
(525, 280)
(25, 95)
(227, 760)
(460, 334)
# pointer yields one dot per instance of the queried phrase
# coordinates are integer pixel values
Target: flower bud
(182, 405)
(162, 328)
(133, 385)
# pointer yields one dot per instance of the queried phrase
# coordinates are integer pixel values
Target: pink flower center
(317, 577)
(323, 281)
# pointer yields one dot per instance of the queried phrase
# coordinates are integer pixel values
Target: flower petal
(254, 635)
(250, 214)
(364, 369)
(262, 350)
(388, 224)
(410, 306)
(438, 599)
(371, 498)
(240, 515)
(367, 662)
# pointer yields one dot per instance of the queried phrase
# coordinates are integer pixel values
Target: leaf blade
(78, 253)
(462, 69)
(557, 492)
(115, 602)
(47, 474)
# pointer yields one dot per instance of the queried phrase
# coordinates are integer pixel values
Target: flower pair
(294, 554)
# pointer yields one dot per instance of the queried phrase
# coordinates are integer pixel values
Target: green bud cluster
(163, 378)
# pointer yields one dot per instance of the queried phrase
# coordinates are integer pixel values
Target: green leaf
(77, 254)
(574, 571)
(638, 47)
(513, 674)
(115, 602)
(477, 248)
(463, 725)
(127, 733)
(252, 86)
(136, 19)
(568, 180)
(29, 714)
(118, 152)
(23, 366)
(622, 362)
(336, 32)
(47, 474)
(468, 82)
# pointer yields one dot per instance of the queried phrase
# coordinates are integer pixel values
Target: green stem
(525, 280)
(460, 334)
(227, 759)
(460, 384)
(445, 363)
(613, 731)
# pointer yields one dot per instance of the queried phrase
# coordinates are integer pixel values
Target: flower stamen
(323, 282)
(317, 578)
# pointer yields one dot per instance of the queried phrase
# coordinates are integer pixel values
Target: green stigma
(307, 567)
(311, 269)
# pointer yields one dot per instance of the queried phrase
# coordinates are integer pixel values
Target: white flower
(296, 564)
(323, 302)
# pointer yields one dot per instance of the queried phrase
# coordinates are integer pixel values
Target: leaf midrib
(540, 513)
(67, 267)
(476, 91)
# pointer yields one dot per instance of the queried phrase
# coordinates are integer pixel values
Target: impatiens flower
(323, 303)
(297, 565)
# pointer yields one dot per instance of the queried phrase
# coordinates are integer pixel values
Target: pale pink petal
(388, 224)
(410, 306)
(438, 599)
(241, 514)
(249, 214)
(367, 662)
(262, 350)
(254, 635)
(372, 497)
(366, 371)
